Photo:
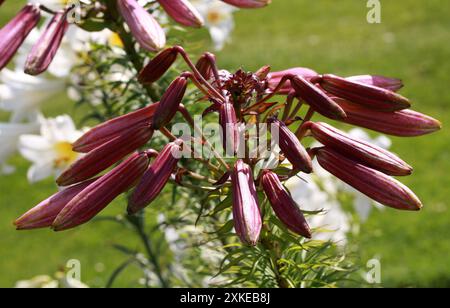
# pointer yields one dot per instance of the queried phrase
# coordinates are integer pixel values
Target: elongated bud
(316, 98)
(404, 123)
(229, 126)
(391, 84)
(292, 148)
(204, 65)
(94, 198)
(158, 66)
(376, 185)
(43, 215)
(246, 212)
(364, 152)
(16, 31)
(283, 205)
(43, 52)
(248, 4)
(367, 95)
(145, 29)
(114, 128)
(155, 178)
(275, 78)
(170, 102)
(183, 12)
(106, 155)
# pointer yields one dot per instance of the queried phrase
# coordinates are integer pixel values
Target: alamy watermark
(374, 14)
(373, 275)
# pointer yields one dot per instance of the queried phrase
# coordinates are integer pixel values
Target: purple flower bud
(16, 31)
(404, 123)
(106, 155)
(170, 102)
(143, 26)
(275, 78)
(292, 148)
(43, 52)
(248, 4)
(316, 98)
(363, 94)
(43, 215)
(374, 184)
(283, 205)
(114, 128)
(204, 65)
(229, 126)
(364, 152)
(387, 83)
(94, 198)
(246, 212)
(183, 12)
(155, 178)
(158, 66)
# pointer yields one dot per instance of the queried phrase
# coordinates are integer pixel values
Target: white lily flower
(24, 94)
(51, 151)
(9, 136)
(218, 18)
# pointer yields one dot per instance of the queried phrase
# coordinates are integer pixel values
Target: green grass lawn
(329, 36)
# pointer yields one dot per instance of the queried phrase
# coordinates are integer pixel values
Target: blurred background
(412, 43)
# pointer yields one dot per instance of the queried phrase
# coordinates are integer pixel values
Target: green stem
(139, 223)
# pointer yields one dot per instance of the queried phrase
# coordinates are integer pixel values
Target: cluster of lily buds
(242, 98)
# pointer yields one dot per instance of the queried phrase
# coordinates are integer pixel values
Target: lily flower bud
(374, 184)
(43, 215)
(170, 102)
(283, 205)
(114, 128)
(367, 95)
(155, 178)
(106, 155)
(145, 29)
(229, 126)
(364, 152)
(248, 4)
(43, 52)
(204, 65)
(94, 198)
(246, 212)
(316, 98)
(387, 83)
(292, 148)
(275, 78)
(183, 12)
(158, 66)
(404, 123)
(16, 31)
